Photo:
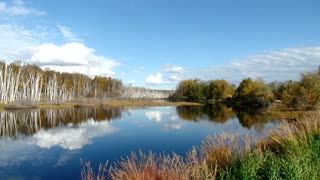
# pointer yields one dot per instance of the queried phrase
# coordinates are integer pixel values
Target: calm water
(48, 144)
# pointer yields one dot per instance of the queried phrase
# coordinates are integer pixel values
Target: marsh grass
(291, 151)
(87, 172)
(161, 167)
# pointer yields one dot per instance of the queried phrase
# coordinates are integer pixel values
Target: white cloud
(280, 65)
(70, 57)
(72, 138)
(174, 78)
(68, 34)
(173, 69)
(18, 8)
(29, 45)
(70, 54)
(155, 79)
(14, 38)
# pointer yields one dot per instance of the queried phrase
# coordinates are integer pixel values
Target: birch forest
(32, 84)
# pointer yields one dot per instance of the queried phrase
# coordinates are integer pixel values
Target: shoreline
(281, 113)
(79, 104)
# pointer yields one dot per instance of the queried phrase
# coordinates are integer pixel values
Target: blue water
(48, 144)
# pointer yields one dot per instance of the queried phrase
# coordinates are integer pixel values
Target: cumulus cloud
(173, 69)
(280, 65)
(18, 8)
(68, 34)
(72, 138)
(30, 45)
(69, 54)
(159, 79)
(70, 57)
(155, 79)
(18, 43)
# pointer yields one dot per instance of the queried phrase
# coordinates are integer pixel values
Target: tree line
(31, 83)
(303, 94)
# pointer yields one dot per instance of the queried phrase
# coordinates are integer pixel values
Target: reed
(87, 172)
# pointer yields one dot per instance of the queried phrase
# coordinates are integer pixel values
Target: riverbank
(92, 103)
(291, 151)
(273, 111)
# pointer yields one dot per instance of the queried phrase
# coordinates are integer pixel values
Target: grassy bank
(291, 151)
(93, 103)
(146, 102)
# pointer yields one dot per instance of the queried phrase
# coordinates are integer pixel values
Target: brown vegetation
(254, 94)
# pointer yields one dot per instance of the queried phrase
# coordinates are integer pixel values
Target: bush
(253, 94)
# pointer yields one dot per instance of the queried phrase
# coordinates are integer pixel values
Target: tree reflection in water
(251, 119)
(28, 122)
(219, 113)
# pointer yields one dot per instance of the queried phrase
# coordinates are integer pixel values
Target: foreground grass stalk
(88, 174)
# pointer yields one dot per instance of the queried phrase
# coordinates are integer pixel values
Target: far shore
(274, 110)
(78, 104)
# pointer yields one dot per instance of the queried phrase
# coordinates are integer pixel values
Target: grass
(113, 102)
(145, 102)
(291, 151)
(88, 174)
(2, 106)
(161, 167)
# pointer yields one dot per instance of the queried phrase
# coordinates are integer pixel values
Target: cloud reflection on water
(71, 138)
(166, 119)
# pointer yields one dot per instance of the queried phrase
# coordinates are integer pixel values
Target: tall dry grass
(296, 132)
(87, 172)
(161, 167)
(226, 157)
(291, 151)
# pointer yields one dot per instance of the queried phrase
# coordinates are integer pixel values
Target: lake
(49, 143)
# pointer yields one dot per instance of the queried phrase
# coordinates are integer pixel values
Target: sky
(157, 43)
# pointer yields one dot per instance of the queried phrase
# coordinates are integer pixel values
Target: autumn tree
(219, 90)
(191, 90)
(304, 94)
(253, 94)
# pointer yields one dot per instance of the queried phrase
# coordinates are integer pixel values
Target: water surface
(48, 144)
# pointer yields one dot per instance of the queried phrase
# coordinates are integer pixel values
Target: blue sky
(156, 43)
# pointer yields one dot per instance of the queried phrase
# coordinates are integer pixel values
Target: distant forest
(31, 83)
(303, 94)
